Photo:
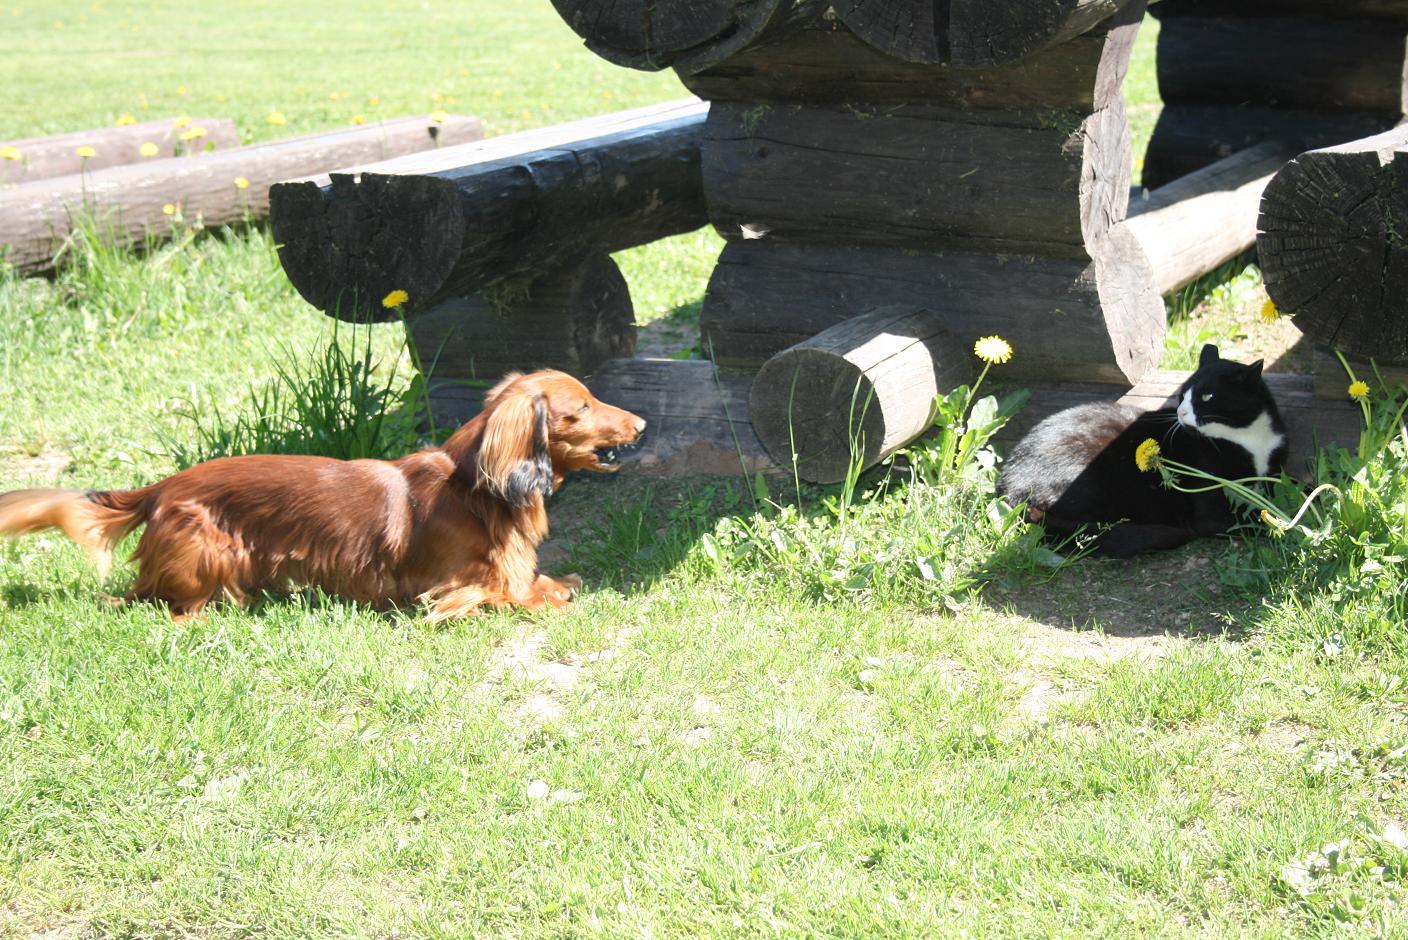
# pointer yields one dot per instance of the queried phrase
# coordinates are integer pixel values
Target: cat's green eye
(1207, 397)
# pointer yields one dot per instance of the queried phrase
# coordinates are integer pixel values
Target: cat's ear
(1254, 370)
(1208, 357)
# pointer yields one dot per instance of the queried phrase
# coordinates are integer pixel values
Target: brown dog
(457, 526)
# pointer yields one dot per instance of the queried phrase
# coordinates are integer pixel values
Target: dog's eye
(1207, 397)
(586, 406)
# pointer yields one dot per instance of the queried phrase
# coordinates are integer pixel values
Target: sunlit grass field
(768, 715)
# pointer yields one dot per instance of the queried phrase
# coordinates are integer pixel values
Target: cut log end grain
(656, 34)
(1333, 245)
(856, 393)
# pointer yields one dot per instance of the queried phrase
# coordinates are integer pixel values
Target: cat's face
(1222, 393)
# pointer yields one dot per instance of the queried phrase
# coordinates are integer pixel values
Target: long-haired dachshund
(456, 526)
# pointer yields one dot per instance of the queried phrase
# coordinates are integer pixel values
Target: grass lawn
(886, 719)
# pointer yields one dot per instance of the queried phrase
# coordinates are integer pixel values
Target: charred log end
(685, 34)
(347, 249)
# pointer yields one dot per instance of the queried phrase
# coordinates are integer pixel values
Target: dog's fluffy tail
(96, 521)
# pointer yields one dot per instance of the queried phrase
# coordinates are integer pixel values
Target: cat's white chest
(1259, 439)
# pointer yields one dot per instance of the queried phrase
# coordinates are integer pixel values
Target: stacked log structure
(1308, 73)
(969, 157)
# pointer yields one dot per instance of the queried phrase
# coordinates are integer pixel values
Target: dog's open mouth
(612, 456)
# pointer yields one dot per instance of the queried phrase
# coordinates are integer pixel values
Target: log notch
(572, 318)
(1236, 72)
(56, 155)
(1334, 245)
(972, 192)
(127, 201)
(860, 390)
(1204, 219)
(464, 219)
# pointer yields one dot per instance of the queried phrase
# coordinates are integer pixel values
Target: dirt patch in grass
(46, 466)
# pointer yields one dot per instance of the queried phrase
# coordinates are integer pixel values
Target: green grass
(758, 720)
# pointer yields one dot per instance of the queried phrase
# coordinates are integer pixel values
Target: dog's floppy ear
(514, 461)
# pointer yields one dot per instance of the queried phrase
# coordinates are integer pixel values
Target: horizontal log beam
(1189, 137)
(1200, 221)
(1344, 9)
(57, 155)
(126, 202)
(464, 219)
(1333, 245)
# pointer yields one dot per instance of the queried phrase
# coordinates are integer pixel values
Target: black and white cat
(1076, 469)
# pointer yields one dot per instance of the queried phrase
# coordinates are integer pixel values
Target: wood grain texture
(1189, 137)
(574, 319)
(1344, 9)
(1295, 62)
(916, 176)
(1066, 318)
(1200, 221)
(1333, 245)
(859, 390)
(127, 201)
(813, 59)
(657, 34)
(465, 219)
(56, 155)
(973, 33)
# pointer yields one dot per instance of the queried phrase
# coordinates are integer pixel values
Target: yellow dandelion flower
(10, 153)
(1269, 312)
(358, 119)
(992, 349)
(437, 97)
(439, 117)
(180, 89)
(241, 183)
(373, 102)
(1148, 456)
(194, 133)
(86, 152)
(181, 121)
(126, 119)
(277, 118)
(1359, 390)
(168, 209)
(395, 299)
(148, 149)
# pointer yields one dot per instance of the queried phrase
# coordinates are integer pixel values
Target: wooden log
(574, 318)
(57, 155)
(657, 34)
(464, 219)
(1305, 62)
(1188, 137)
(126, 202)
(1333, 245)
(1204, 219)
(917, 176)
(974, 33)
(1066, 318)
(815, 60)
(857, 392)
(1347, 9)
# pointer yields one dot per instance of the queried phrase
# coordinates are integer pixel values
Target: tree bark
(656, 34)
(1066, 318)
(573, 319)
(57, 155)
(126, 202)
(973, 33)
(1334, 245)
(464, 219)
(857, 392)
(913, 176)
(1194, 224)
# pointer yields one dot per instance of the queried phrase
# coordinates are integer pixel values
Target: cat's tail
(96, 521)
